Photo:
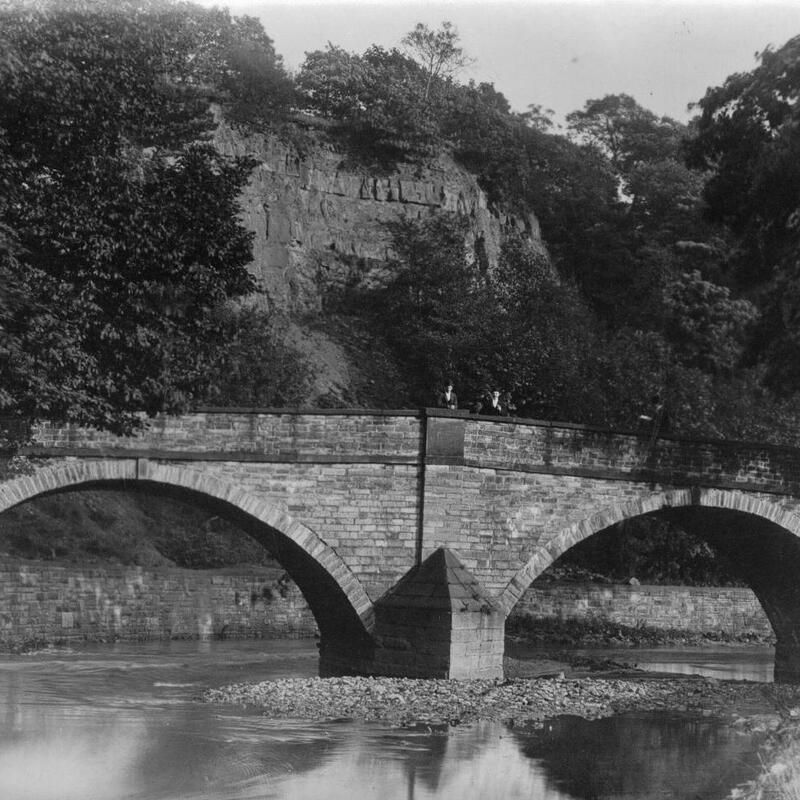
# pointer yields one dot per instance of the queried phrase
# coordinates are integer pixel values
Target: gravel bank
(404, 701)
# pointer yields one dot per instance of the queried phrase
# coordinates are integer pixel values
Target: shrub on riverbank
(600, 632)
(780, 776)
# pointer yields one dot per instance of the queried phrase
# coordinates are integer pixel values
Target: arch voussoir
(546, 553)
(748, 503)
(63, 475)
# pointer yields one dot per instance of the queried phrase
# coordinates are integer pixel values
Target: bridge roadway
(412, 534)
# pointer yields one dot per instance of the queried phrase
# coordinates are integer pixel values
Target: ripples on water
(120, 723)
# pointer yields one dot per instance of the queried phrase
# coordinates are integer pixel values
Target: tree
(376, 95)
(229, 60)
(543, 336)
(119, 230)
(537, 117)
(666, 200)
(437, 52)
(747, 137)
(392, 105)
(256, 367)
(331, 82)
(432, 308)
(706, 327)
(626, 131)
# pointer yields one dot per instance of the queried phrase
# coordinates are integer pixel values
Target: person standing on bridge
(494, 405)
(657, 416)
(448, 398)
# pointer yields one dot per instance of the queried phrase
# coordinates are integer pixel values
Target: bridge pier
(436, 622)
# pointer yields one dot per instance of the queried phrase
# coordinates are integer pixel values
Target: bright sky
(557, 53)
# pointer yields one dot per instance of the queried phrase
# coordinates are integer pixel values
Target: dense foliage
(119, 229)
(672, 247)
(258, 368)
(671, 261)
(123, 527)
(648, 550)
(747, 138)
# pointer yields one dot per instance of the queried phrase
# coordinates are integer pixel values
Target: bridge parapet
(439, 437)
(562, 448)
(281, 435)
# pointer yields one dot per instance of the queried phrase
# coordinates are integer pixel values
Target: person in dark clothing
(494, 405)
(657, 416)
(447, 398)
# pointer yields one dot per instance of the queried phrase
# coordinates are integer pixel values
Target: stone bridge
(412, 534)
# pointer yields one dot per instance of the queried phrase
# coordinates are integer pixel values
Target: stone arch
(722, 499)
(339, 603)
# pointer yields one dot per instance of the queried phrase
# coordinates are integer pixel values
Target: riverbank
(780, 757)
(517, 700)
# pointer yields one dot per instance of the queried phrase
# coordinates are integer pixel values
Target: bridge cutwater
(412, 534)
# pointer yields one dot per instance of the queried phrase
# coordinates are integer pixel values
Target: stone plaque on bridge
(445, 440)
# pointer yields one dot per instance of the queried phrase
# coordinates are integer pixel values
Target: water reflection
(739, 662)
(630, 756)
(736, 664)
(482, 762)
(120, 724)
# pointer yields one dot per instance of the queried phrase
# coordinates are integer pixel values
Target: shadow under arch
(341, 607)
(759, 538)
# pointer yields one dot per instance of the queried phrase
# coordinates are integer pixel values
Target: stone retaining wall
(44, 604)
(699, 609)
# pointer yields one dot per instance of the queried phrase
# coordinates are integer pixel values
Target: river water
(120, 722)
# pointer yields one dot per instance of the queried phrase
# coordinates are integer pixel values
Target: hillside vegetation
(117, 527)
(671, 263)
(672, 248)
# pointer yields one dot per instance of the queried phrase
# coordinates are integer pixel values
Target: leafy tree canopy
(396, 98)
(628, 133)
(747, 137)
(438, 52)
(119, 234)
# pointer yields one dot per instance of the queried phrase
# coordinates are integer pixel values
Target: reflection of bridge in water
(413, 534)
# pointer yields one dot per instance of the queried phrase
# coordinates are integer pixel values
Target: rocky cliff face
(317, 219)
(320, 221)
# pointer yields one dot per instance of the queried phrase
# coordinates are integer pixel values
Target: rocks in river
(408, 701)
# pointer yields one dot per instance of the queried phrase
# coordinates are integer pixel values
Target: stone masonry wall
(700, 609)
(275, 435)
(507, 496)
(498, 520)
(368, 513)
(575, 449)
(45, 603)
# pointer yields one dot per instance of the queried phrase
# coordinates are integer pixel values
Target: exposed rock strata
(317, 218)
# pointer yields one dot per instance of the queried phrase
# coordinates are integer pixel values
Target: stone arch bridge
(412, 534)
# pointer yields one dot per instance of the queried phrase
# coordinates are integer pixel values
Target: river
(120, 722)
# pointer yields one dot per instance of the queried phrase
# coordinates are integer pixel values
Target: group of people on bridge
(493, 403)
(497, 403)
